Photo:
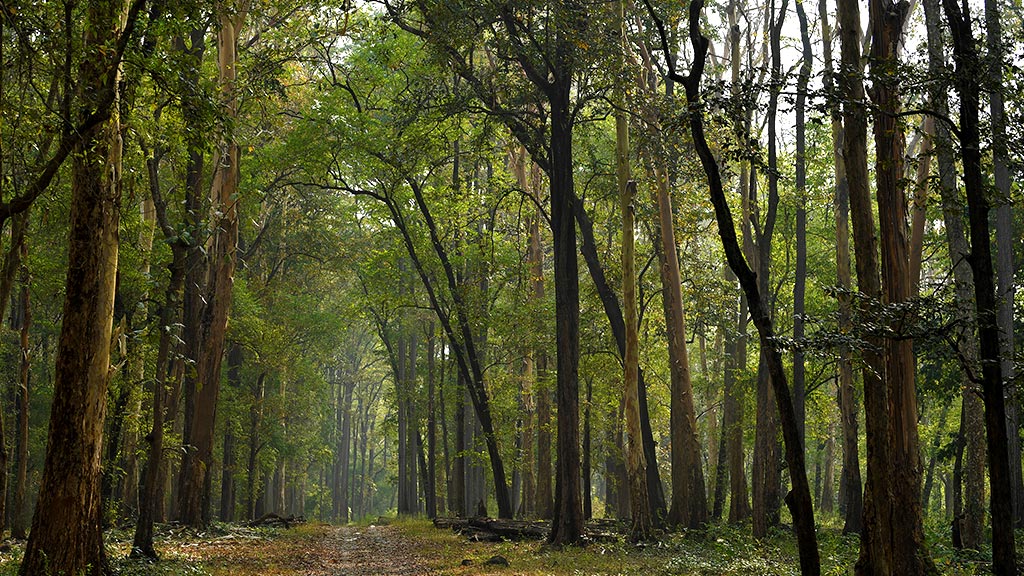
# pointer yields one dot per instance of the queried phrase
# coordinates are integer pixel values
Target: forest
(567, 270)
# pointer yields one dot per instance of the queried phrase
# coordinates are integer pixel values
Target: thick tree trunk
(894, 539)
(66, 535)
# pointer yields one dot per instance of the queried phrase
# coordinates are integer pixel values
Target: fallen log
(504, 529)
(271, 519)
(491, 529)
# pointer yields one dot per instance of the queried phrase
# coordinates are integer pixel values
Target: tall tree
(799, 499)
(194, 495)
(968, 67)
(892, 542)
(1006, 289)
(851, 480)
(635, 463)
(66, 535)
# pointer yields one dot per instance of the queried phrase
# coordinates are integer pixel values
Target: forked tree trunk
(194, 497)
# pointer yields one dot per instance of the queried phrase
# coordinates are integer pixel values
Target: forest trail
(325, 551)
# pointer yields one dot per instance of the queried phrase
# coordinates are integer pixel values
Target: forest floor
(409, 547)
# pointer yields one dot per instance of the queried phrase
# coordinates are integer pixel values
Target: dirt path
(324, 551)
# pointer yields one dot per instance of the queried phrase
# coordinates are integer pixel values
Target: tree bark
(194, 497)
(1006, 289)
(567, 519)
(66, 535)
(894, 539)
(799, 499)
(968, 70)
(17, 257)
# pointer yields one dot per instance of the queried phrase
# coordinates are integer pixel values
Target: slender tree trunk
(799, 498)
(800, 281)
(136, 369)
(459, 464)
(852, 502)
(973, 423)
(634, 456)
(1006, 288)
(227, 489)
(929, 479)
(19, 516)
(255, 423)
(151, 491)
(346, 440)
(968, 69)
(588, 497)
(430, 486)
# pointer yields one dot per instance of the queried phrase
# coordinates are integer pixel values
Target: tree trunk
(19, 516)
(800, 281)
(799, 498)
(346, 440)
(929, 478)
(588, 497)
(151, 491)
(430, 486)
(1006, 289)
(876, 536)
(66, 535)
(194, 498)
(640, 529)
(899, 546)
(255, 423)
(227, 483)
(567, 519)
(852, 503)
(978, 207)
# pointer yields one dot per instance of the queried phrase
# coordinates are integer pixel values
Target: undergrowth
(719, 550)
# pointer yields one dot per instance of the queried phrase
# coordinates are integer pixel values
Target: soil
(325, 551)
